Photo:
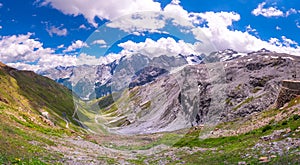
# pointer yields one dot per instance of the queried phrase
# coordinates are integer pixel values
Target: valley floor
(271, 136)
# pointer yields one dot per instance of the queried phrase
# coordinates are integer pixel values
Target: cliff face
(289, 90)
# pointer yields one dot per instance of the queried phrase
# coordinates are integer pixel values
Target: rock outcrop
(289, 90)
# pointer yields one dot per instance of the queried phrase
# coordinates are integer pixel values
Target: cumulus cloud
(220, 20)
(224, 38)
(99, 42)
(178, 15)
(288, 42)
(102, 43)
(291, 11)
(1, 5)
(163, 46)
(267, 12)
(57, 31)
(272, 11)
(217, 35)
(75, 45)
(23, 52)
(21, 48)
(139, 22)
(102, 9)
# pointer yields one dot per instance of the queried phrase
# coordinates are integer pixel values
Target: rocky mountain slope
(199, 94)
(94, 81)
(221, 112)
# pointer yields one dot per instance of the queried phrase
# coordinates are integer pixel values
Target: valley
(188, 116)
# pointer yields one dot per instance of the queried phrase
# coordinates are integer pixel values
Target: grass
(23, 135)
(232, 149)
(294, 102)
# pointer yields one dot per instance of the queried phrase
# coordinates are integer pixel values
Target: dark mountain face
(146, 75)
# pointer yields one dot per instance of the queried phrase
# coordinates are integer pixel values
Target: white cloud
(176, 2)
(99, 42)
(1, 5)
(57, 31)
(0, 27)
(219, 20)
(138, 22)
(24, 66)
(267, 12)
(278, 28)
(102, 43)
(60, 46)
(275, 41)
(54, 60)
(21, 48)
(223, 38)
(272, 11)
(215, 34)
(82, 26)
(163, 46)
(298, 24)
(177, 13)
(75, 45)
(288, 42)
(290, 12)
(102, 9)
(23, 52)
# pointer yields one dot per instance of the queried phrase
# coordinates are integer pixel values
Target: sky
(42, 34)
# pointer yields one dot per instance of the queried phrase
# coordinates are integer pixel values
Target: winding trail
(67, 123)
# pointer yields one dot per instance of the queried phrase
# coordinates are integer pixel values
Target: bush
(266, 128)
(296, 117)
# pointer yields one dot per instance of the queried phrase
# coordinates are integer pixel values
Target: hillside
(32, 108)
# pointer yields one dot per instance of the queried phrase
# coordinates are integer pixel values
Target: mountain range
(97, 78)
(140, 110)
(176, 92)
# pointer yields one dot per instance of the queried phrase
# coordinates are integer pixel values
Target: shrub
(266, 128)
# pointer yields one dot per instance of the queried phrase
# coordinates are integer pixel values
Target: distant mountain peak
(261, 51)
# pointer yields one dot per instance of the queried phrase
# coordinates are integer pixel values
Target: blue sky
(41, 34)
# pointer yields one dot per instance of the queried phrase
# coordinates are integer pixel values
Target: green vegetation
(233, 149)
(294, 102)
(146, 105)
(25, 133)
(105, 101)
(248, 100)
(23, 130)
(256, 89)
(228, 102)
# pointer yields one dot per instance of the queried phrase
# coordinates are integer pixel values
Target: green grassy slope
(24, 96)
